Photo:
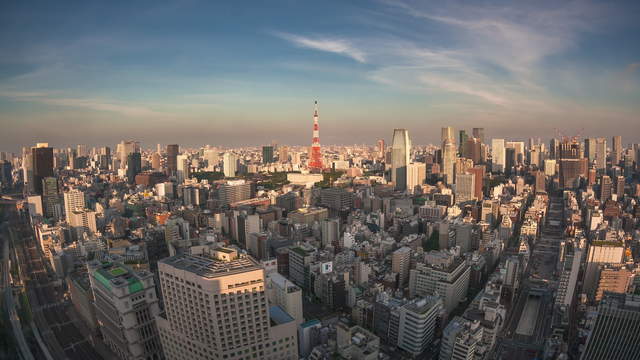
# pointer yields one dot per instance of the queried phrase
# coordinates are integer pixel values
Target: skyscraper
(590, 149)
(400, 156)
(315, 161)
(601, 154)
(447, 133)
(381, 148)
(616, 332)
(172, 159)
(182, 168)
(616, 150)
(134, 166)
(606, 188)
(230, 317)
(462, 142)
(416, 174)
(448, 160)
(42, 157)
(73, 200)
(283, 154)
(478, 133)
(230, 164)
(267, 154)
(498, 156)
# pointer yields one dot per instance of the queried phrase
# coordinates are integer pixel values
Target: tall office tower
(172, 158)
(182, 168)
(230, 317)
(600, 253)
(400, 158)
(125, 148)
(330, 232)
(159, 148)
(126, 308)
(478, 180)
(234, 191)
(81, 222)
(104, 157)
(478, 133)
(465, 188)
(73, 200)
(283, 154)
(473, 150)
(230, 164)
(284, 293)
(416, 174)
(590, 149)
(6, 177)
(541, 181)
(315, 158)
(605, 188)
(448, 161)
(212, 158)
(616, 150)
(620, 183)
(616, 332)
(27, 173)
(417, 322)
(498, 156)
(82, 150)
(601, 154)
(462, 142)
(381, 148)
(519, 151)
(554, 149)
(509, 160)
(460, 339)
(51, 198)
(42, 157)
(550, 167)
(134, 166)
(400, 264)
(267, 154)
(572, 164)
(155, 161)
(447, 133)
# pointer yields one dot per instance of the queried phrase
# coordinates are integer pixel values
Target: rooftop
(211, 268)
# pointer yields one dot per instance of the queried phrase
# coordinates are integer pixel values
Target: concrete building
(460, 339)
(498, 157)
(400, 264)
(234, 190)
(416, 175)
(600, 253)
(308, 215)
(616, 332)
(73, 200)
(355, 342)
(465, 188)
(330, 232)
(230, 164)
(417, 323)
(216, 308)
(443, 275)
(284, 293)
(126, 307)
(299, 260)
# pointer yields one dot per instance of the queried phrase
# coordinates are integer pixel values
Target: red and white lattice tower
(315, 162)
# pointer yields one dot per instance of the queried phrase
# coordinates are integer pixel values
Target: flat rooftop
(211, 268)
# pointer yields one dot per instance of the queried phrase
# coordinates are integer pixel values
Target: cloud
(50, 98)
(336, 46)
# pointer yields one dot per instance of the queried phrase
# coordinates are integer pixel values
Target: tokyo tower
(315, 162)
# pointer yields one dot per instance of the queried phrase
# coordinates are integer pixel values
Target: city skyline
(194, 73)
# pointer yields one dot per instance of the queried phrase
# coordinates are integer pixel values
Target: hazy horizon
(191, 72)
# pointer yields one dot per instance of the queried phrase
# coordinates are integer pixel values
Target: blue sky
(201, 72)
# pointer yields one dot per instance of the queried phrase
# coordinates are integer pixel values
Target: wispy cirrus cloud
(54, 98)
(327, 44)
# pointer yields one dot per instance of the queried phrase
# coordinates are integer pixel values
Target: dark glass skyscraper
(42, 165)
(267, 154)
(172, 158)
(134, 166)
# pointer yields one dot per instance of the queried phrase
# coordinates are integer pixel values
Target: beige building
(216, 307)
(308, 215)
(613, 278)
(400, 264)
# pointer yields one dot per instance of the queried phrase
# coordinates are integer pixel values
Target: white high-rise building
(330, 232)
(211, 155)
(82, 221)
(498, 158)
(73, 200)
(400, 157)
(284, 293)
(182, 171)
(126, 308)
(216, 307)
(417, 322)
(416, 174)
(448, 160)
(230, 164)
